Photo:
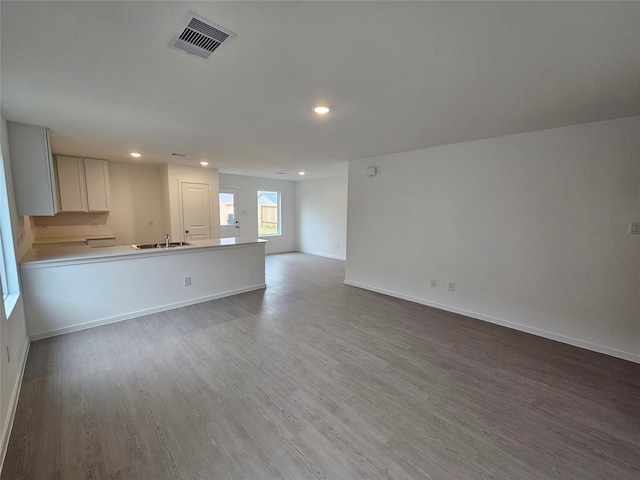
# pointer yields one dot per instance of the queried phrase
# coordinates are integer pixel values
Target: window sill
(10, 303)
(270, 235)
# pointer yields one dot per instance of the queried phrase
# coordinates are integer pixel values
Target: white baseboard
(576, 342)
(139, 313)
(321, 254)
(276, 252)
(13, 404)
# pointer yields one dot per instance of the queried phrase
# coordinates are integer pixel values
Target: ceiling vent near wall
(198, 36)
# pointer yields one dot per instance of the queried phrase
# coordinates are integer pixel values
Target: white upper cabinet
(98, 189)
(83, 184)
(72, 190)
(32, 169)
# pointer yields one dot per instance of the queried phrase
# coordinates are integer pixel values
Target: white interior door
(196, 210)
(229, 219)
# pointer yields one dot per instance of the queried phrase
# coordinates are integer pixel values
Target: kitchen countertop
(56, 256)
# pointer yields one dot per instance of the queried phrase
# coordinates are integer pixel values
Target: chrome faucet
(167, 240)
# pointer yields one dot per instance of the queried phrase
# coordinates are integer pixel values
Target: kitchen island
(72, 288)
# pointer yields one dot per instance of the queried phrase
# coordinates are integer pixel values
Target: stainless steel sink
(147, 246)
(144, 247)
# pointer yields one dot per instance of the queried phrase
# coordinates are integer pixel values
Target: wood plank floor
(314, 379)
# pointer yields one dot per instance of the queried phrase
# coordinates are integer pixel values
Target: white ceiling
(399, 75)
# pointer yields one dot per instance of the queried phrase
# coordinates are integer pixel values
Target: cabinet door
(71, 184)
(97, 177)
(32, 166)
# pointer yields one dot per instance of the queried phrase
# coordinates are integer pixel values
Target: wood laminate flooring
(312, 379)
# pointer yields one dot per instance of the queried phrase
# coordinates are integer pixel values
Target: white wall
(321, 217)
(248, 187)
(136, 202)
(13, 332)
(174, 174)
(532, 228)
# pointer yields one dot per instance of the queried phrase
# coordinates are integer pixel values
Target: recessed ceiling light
(321, 109)
(301, 173)
(204, 164)
(136, 155)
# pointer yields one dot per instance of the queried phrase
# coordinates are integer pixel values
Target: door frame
(236, 205)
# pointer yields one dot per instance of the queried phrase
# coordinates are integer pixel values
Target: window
(8, 267)
(3, 273)
(268, 213)
(227, 209)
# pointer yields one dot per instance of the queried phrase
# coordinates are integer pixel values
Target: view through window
(268, 213)
(8, 267)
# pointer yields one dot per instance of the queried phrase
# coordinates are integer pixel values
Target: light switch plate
(634, 227)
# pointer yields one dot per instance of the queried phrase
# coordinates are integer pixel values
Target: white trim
(139, 313)
(10, 303)
(632, 357)
(325, 255)
(13, 404)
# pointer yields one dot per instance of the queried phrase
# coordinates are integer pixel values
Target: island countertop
(45, 257)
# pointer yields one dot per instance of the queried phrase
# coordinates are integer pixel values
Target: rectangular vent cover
(198, 36)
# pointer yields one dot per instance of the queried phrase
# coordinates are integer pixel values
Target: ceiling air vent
(198, 36)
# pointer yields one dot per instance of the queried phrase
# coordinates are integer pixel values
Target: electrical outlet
(151, 223)
(187, 281)
(433, 283)
(338, 247)
(452, 286)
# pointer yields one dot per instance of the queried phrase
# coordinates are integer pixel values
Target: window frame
(4, 281)
(278, 233)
